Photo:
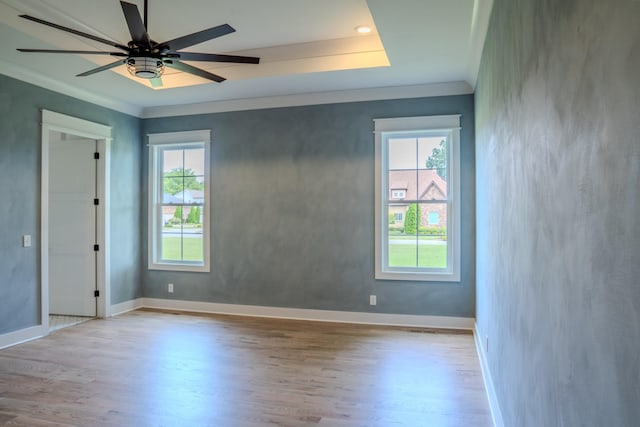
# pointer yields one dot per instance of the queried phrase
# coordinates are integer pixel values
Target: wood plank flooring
(59, 321)
(149, 368)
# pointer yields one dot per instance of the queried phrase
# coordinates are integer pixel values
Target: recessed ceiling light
(363, 29)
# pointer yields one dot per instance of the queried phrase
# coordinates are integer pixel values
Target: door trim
(52, 121)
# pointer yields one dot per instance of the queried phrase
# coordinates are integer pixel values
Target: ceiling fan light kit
(145, 67)
(147, 59)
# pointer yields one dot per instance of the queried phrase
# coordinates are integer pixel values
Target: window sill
(417, 277)
(180, 267)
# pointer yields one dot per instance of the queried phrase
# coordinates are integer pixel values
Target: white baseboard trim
(496, 413)
(126, 306)
(385, 319)
(23, 335)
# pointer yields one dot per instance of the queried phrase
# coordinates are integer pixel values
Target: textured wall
(558, 184)
(292, 219)
(20, 142)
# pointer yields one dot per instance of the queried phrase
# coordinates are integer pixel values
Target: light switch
(26, 241)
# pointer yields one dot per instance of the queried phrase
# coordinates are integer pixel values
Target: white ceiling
(309, 50)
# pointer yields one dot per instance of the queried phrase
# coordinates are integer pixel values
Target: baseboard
(441, 322)
(22, 335)
(126, 306)
(496, 413)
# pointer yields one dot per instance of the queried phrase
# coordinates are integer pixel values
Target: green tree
(438, 160)
(177, 214)
(194, 215)
(412, 219)
(179, 179)
(197, 215)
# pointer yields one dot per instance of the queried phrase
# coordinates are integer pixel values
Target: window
(398, 216)
(179, 201)
(434, 218)
(398, 194)
(420, 154)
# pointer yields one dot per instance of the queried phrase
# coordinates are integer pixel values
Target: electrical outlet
(26, 241)
(170, 288)
(372, 300)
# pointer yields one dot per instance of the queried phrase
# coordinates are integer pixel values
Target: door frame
(52, 121)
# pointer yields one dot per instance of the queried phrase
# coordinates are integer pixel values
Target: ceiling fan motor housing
(145, 67)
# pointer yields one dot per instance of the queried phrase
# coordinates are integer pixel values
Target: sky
(405, 153)
(193, 159)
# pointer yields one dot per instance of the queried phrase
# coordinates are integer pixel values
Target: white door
(72, 225)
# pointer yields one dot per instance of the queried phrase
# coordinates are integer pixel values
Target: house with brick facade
(408, 186)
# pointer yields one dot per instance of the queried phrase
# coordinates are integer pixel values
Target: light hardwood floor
(149, 368)
(59, 321)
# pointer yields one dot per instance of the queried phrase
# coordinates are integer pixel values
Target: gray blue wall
(292, 211)
(558, 186)
(20, 142)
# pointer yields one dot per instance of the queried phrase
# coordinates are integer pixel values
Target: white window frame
(157, 141)
(393, 127)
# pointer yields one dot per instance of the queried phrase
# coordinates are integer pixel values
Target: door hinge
(96, 202)
(96, 293)
(96, 247)
(96, 155)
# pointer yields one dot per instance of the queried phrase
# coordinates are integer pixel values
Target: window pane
(172, 189)
(431, 186)
(432, 152)
(402, 153)
(194, 161)
(432, 247)
(172, 159)
(171, 246)
(182, 247)
(182, 238)
(171, 218)
(403, 236)
(192, 243)
(194, 176)
(172, 225)
(402, 185)
(403, 251)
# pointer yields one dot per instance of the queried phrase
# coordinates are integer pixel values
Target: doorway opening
(75, 222)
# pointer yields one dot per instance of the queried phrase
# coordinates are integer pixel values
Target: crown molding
(23, 74)
(313, 98)
(479, 27)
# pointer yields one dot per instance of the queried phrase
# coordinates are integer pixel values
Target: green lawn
(171, 249)
(433, 256)
(419, 237)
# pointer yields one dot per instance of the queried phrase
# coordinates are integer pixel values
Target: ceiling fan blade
(80, 52)
(213, 57)
(136, 26)
(156, 82)
(195, 71)
(199, 37)
(103, 68)
(76, 32)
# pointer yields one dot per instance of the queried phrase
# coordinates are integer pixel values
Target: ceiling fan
(146, 58)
